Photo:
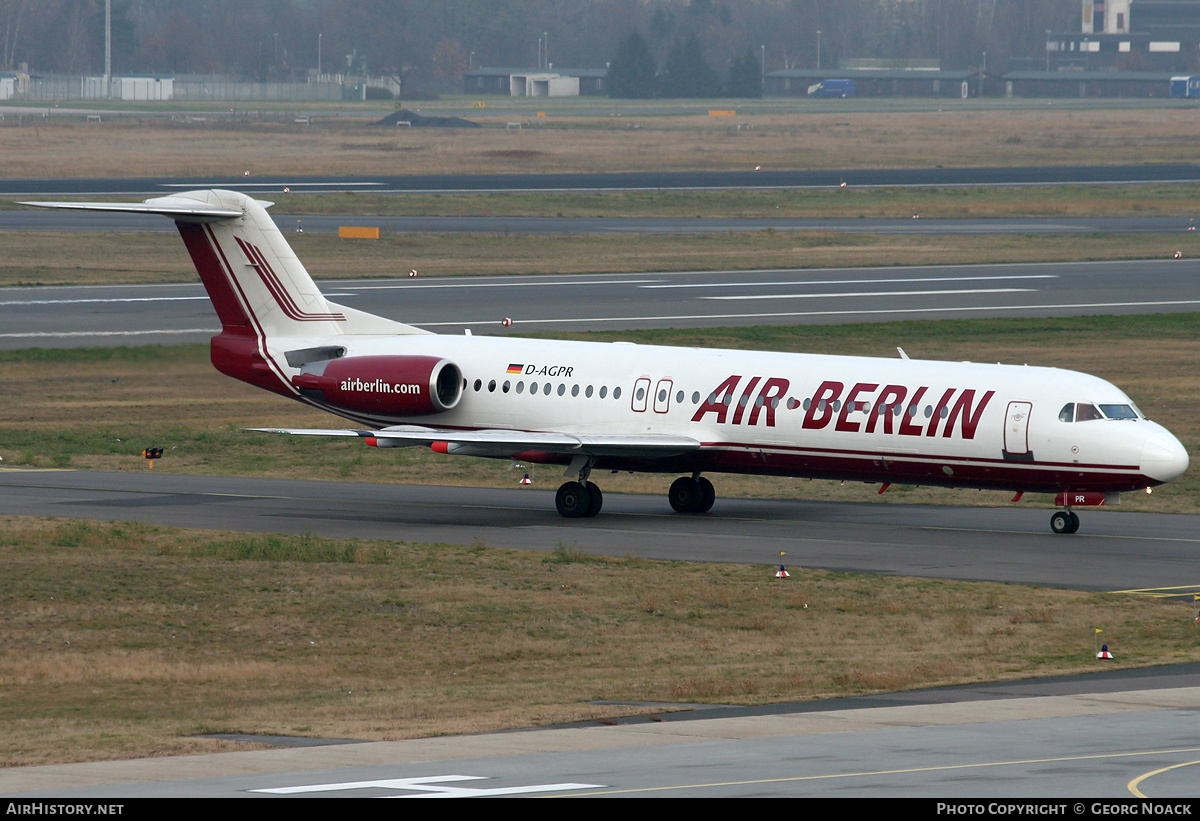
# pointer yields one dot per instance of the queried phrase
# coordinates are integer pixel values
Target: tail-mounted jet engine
(386, 385)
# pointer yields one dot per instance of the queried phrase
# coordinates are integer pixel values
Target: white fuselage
(869, 419)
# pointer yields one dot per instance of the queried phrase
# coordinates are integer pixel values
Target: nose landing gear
(1065, 520)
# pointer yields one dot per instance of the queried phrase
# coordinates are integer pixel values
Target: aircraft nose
(1163, 457)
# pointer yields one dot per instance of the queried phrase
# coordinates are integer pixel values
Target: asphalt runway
(169, 314)
(104, 223)
(632, 181)
(1113, 550)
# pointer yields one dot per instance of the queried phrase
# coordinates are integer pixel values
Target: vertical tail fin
(264, 297)
(253, 277)
(255, 281)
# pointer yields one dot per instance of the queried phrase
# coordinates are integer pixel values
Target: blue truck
(832, 88)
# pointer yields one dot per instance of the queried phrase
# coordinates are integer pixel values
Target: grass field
(615, 136)
(129, 640)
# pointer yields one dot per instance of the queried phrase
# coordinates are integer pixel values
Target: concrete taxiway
(1056, 738)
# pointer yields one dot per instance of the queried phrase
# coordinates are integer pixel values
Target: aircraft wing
(509, 442)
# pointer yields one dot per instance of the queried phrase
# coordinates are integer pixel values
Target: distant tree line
(633, 73)
(704, 47)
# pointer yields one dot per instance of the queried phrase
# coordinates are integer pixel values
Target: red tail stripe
(284, 299)
(252, 323)
(207, 258)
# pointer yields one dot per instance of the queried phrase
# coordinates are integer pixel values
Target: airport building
(525, 82)
(1129, 35)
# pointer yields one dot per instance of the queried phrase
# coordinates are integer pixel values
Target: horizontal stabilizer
(257, 284)
(179, 208)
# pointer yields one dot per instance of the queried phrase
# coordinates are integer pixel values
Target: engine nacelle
(386, 385)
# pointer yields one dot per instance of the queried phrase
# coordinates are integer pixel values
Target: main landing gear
(692, 494)
(1064, 521)
(582, 499)
(576, 500)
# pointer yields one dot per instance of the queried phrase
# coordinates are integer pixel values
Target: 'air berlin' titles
(865, 408)
(379, 386)
(761, 406)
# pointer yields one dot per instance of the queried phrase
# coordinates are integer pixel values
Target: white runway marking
(870, 293)
(67, 334)
(105, 299)
(767, 283)
(402, 286)
(779, 314)
(429, 786)
(200, 185)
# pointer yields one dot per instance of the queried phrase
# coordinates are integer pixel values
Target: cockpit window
(1118, 411)
(1084, 412)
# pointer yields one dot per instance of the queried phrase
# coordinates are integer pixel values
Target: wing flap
(506, 442)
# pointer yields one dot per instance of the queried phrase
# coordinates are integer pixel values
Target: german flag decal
(515, 368)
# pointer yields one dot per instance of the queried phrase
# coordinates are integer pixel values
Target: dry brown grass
(805, 137)
(127, 640)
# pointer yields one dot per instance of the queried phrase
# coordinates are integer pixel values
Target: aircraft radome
(618, 406)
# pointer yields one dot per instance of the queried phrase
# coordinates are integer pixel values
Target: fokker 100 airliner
(618, 406)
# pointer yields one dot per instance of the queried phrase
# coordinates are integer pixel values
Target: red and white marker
(412, 274)
(506, 322)
(527, 480)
